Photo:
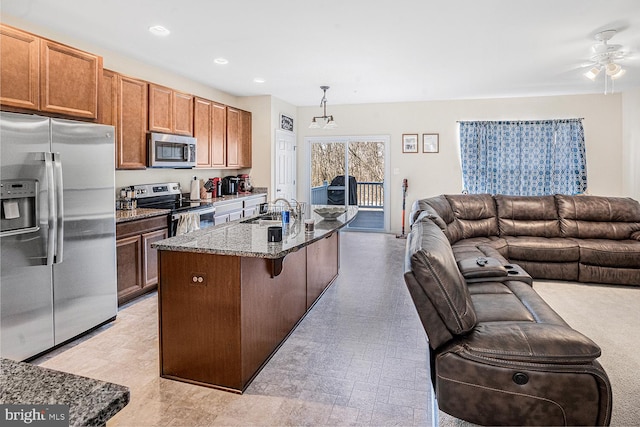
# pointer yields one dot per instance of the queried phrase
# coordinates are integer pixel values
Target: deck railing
(370, 194)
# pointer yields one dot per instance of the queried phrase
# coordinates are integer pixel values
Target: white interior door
(285, 165)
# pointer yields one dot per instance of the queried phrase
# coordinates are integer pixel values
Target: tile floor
(358, 358)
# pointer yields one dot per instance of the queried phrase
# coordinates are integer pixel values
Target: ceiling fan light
(619, 74)
(592, 73)
(613, 68)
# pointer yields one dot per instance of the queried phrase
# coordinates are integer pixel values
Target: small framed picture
(430, 143)
(409, 142)
(286, 123)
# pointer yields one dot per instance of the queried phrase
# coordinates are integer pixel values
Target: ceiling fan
(604, 57)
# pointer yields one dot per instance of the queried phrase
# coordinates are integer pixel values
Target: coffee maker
(244, 183)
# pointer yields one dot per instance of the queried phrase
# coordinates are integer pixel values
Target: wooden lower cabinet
(137, 261)
(221, 317)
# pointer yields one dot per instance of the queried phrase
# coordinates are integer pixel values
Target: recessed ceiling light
(259, 80)
(159, 30)
(221, 61)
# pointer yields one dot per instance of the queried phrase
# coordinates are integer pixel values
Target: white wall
(631, 143)
(432, 174)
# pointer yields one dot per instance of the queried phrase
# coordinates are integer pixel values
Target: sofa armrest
(635, 235)
(530, 343)
(474, 268)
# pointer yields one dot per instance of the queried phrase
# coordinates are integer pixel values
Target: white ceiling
(366, 50)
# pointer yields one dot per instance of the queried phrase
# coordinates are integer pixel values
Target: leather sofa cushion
(530, 343)
(500, 307)
(527, 216)
(593, 217)
(556, 249)
(435, 269)
(610, 253)
(475, 214)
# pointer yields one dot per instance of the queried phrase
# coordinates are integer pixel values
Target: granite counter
(247, 239)
(91, 402)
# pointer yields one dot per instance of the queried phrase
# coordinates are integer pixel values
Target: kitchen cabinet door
(182, 114)
(137, 260)
(108, 107)
(69, 80)
(218, 135)
(129, 261)
(244, 140)
(19, 69)
(202, 112)
(131, 146)
(233, 135)
(160, 108)
(238, 138)
(150, 256)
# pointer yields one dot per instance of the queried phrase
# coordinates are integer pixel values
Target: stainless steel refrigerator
(57, 231)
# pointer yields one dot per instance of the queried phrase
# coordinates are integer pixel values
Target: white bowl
(330, 213)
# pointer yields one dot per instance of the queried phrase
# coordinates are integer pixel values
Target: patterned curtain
(523, 158)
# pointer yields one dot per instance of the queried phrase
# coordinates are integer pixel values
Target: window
(523, 158)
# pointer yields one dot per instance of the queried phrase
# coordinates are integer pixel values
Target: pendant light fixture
(327, 121)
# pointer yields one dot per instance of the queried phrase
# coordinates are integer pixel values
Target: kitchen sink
(271, 219)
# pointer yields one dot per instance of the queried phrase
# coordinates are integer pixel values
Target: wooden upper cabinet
(170, 111)
(218, 135)
(19, 69)
(69, 80)
(42, 75)
(238, 138)
(131, 147)
(108, 106)
(202, 131)
(244, 138)
(233, 135)
(160, 108)
(182, 115)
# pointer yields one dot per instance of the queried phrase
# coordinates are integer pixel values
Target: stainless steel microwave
(171, 151)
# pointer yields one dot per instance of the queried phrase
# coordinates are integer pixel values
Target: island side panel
(271, 307)
(200, 321)
(322, 266)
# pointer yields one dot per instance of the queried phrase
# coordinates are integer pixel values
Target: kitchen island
(228, 298)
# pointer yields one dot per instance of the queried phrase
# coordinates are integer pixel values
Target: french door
(351, 171)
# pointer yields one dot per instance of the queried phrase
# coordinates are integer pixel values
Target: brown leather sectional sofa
(500, 355)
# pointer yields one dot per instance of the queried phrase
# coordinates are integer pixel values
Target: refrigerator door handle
(52, 218)
(59, 190)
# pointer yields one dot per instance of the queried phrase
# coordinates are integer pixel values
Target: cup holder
(512, 272)
(509, 267)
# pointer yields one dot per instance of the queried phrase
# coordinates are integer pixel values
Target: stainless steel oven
(205, 218)
(183, 211)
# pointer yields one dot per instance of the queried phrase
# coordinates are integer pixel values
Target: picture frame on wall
(286, 123)
(430, 143)
(409, 142)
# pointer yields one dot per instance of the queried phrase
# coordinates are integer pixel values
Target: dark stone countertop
(91, 402)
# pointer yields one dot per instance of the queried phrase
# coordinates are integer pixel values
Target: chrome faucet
(282, 199)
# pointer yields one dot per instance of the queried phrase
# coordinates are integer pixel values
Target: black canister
(274, 234)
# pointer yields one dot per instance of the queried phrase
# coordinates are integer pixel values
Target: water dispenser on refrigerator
(18, 210)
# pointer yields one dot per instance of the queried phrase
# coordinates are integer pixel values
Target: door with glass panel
(350, 171)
